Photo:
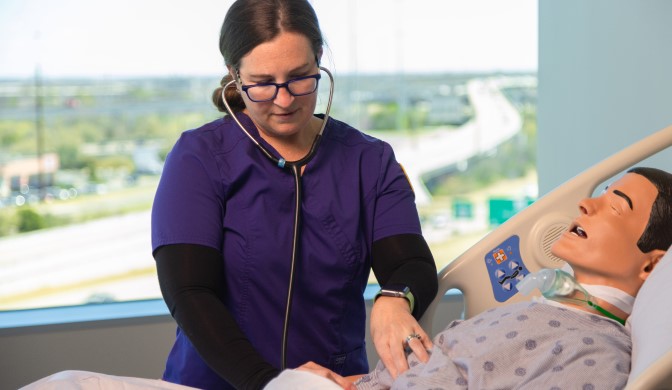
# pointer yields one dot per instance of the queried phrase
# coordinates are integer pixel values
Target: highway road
(495, 121)
(104, 259)
(110, 259)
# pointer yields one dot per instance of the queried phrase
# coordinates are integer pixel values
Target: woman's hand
(392, 330)
(327, 373)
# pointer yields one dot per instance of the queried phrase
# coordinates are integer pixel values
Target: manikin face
(286, 57)
(601, 244)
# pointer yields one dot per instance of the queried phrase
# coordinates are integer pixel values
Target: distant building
(21, 173)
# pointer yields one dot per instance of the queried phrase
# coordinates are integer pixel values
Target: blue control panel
(506, 268)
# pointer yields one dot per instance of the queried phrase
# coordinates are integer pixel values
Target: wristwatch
(397, 291)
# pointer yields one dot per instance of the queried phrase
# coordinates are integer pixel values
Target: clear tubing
(558, 285)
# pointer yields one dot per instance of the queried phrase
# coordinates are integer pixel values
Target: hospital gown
(527, 345)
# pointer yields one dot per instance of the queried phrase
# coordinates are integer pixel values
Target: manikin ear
(650, 263)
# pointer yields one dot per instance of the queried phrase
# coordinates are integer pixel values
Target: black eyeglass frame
(285, 85)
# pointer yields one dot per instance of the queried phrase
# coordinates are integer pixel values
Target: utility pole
(39, 129)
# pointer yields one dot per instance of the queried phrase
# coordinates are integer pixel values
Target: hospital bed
(487, 272)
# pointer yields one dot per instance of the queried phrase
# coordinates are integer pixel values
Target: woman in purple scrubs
(223, 222)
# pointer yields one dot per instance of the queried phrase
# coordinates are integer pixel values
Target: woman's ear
(233, 72)
(318, 57)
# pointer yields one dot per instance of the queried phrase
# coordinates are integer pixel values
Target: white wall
(605, 81)
(126, 347)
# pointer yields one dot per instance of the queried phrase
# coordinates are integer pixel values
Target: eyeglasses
(264, 92)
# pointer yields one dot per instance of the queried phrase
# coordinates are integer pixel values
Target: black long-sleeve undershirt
(192, 284)
(406, 259)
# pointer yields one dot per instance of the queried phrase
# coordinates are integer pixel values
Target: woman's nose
(283, 98)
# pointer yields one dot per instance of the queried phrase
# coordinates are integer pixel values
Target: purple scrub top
(219, 190)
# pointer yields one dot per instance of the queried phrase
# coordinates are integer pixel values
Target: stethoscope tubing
(281, 162)
(295, 166)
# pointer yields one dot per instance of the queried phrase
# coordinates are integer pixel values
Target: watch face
(395, 290)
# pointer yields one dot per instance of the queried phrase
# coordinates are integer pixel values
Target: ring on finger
(412, 336)
(407, 347)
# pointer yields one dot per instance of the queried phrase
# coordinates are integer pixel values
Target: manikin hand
(315, 368)
(391, 324)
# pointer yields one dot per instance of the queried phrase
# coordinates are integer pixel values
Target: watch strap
(408, 295)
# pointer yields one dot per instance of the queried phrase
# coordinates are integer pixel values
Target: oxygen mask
(558, 285)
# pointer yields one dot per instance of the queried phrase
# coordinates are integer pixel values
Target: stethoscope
(295, 166)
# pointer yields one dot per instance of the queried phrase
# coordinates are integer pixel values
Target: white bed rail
(537, 227)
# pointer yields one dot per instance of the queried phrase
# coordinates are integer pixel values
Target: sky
(122, 38)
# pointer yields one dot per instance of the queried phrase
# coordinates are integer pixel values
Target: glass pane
(89, 107)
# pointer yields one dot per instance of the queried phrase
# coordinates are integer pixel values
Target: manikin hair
(658, 231)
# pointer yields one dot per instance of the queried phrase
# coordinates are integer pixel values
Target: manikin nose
(585, 206)
(592, 205)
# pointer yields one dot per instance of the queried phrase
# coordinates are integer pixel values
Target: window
(90, 105)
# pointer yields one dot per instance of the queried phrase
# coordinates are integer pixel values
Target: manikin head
(619, 236)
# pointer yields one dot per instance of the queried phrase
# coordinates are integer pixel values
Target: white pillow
(651, 318)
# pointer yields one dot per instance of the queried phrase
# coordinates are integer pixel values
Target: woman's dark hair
(658, 231)
(249, 23)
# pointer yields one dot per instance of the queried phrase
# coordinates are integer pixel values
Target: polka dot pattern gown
(526, 345)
